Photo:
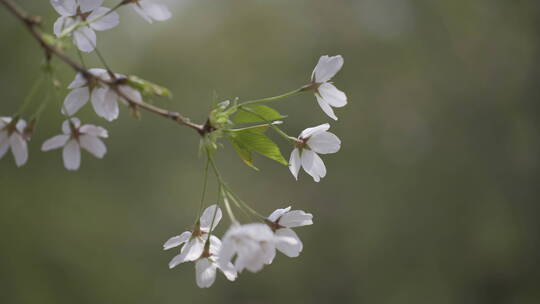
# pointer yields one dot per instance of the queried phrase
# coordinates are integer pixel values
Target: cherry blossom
(104, 99)
(75, 11)
(12, 136)
(281, 221)
(76, 137)
(253, 244)
(193, 241)
(310, 143)
(327, 94)
(151, 11)
(207, 265)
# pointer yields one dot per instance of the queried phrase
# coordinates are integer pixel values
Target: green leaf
(260, 113)
(254, 140)
(148, 88)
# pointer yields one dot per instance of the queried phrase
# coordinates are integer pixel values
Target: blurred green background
(432, 199)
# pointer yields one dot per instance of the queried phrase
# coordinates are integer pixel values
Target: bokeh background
(432, 199)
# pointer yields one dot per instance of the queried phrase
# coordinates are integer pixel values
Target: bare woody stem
(32, 25)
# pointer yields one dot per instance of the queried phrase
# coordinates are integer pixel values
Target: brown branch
(32, 24)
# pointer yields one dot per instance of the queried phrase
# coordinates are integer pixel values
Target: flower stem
(269, 99)
(205, 183)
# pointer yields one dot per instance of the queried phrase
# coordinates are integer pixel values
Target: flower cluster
(248, 246)
(81, 18)
(251, 246)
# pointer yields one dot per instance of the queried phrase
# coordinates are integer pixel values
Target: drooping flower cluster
(254, 245)
(248, 246)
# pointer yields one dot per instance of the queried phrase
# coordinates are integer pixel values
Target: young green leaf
(254, 140)
(260, 113)
(147, 87)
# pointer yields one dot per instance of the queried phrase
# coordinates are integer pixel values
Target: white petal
(155, 11)
(226, 253)
(94, 131)
(179, 259)
(85, 39)
(72, 155)
(78, 82)
(296, 218)
(110, 105)
(89, 5)
(55, 142)
(295, 163)
(176, 241)
(4, 121)
(104, 23)
(104, 101)
(228, 270)
(327, 109)
(313, 165)
(65, 7)
(65, 125)
(269, 252)
(18, 148)
(59, 25)
(324, 143)
(332, 95)
(193, 249)
(278, 213)
(4, 143)
(315, 130)
(208, 215)
(131, 93)
(98, 72)
(98, 99)
(75, 100)
(215, 245)
(93, 145)
(326, 68)
(20, 126)
(205, 273)
(290, 250)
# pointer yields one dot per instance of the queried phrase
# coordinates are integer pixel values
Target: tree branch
(32, 24)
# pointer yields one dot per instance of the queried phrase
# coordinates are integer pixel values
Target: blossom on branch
(310, 143)
(104, 98)
(151, 11)
(327, 94)
(76, 11)
(281, 221)
(76, 137)
(12, 136)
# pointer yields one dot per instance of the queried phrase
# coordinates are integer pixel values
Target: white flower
(207, 265)
(327, 94)
(254, 245)
(75, 11)
(12, 136)
(194, 240)
(310, 142)
(195, 249)
(104, 99)
(281, 221)
(151, 11)
(76, 137)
